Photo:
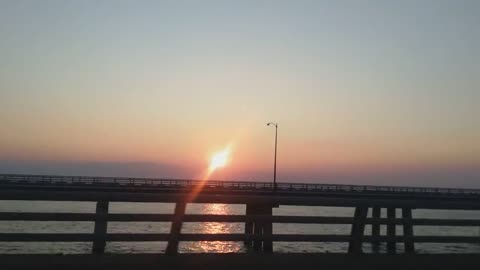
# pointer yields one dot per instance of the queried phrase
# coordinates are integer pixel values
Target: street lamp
(275, 158)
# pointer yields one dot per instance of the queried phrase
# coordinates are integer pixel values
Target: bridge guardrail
(226, 185)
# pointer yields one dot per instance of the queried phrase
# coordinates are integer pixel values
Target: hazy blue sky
(361, 89)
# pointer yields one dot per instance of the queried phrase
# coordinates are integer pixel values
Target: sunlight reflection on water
(213, 228)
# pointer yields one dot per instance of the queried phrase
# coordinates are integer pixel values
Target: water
(213, 227)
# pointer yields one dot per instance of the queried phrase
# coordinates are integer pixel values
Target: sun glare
(219, 159)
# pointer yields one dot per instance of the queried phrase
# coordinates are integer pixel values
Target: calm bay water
(212, 227)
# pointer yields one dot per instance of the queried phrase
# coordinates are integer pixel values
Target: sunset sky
(385, 93)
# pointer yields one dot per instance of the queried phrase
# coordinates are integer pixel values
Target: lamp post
(275, 157)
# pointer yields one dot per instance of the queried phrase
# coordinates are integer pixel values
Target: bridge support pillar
(176, 228)
(100, 230)
(391, 231)
(358, 227)
(259, 227)
(408, 230)
(376, 214)
(249, 224)
(267, 229)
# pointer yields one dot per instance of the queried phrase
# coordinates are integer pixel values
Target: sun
(219, 159)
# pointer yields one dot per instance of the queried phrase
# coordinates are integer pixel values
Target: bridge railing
(225, 185)
(100, 236)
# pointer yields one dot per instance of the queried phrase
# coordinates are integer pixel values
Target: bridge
(183, 185)
(258, 197)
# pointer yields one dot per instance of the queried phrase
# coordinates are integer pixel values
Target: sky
(364, 92)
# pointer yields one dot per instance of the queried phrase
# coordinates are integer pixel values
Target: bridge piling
(267, 229)
(100, 230)
(358, 228)
(176, 228)
(260, 227)
(257, 228)
(248, 224)
(408, 230)
(376, 214)
(391, 230)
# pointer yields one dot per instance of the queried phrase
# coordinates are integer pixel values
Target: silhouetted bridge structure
(259, 198)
